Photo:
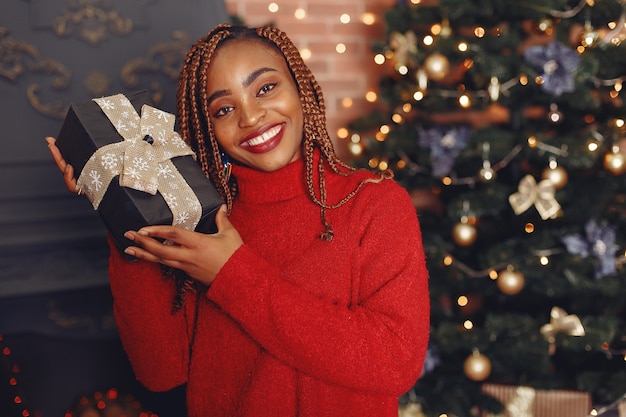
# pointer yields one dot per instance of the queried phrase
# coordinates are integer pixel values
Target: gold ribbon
(561, 322)
(142, 160)
(541, 195)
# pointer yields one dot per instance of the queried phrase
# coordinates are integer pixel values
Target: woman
(312, 298)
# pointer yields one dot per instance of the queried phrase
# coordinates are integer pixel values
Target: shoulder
(376, 196)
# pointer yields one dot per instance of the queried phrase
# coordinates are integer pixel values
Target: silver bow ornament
(541, 195)
(142, 160)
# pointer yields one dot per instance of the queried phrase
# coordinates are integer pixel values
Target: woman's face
(254, 105)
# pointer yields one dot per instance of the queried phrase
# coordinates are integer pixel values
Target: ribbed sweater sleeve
(155, 339)
(376, 343)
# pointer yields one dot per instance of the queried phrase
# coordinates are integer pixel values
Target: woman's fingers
(176, 240)
(66, 169)
(150, 249)
(221, 219)
(56, 154)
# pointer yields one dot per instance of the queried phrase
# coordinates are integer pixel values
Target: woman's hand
(200, 255)
(66, 169)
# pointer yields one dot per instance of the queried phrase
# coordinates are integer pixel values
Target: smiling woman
(312, 297)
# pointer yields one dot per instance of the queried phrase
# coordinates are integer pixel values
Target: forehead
(247, 52)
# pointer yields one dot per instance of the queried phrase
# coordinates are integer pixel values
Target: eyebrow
(249, 80)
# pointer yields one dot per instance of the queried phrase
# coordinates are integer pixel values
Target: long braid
(193, 112)
(315, 132)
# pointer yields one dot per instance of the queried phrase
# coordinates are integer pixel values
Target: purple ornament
(432, 359)
(445, 143)
(558, 63)
(599, 242)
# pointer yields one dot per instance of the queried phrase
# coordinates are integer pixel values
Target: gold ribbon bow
(561, 322)
(142, 159)
(541, 195)
(403, 46)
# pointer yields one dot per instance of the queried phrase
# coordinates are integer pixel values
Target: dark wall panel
(53, 52)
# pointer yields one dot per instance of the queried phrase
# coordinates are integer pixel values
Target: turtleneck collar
(262, 187)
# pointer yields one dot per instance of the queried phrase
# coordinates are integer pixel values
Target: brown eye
(222, 111)
(266, 88)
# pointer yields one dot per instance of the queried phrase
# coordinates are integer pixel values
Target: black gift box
(85, 129)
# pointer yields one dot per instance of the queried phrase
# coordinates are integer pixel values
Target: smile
(265, 141)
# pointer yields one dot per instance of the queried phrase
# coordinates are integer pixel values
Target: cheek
(295, 108)
(223, 136)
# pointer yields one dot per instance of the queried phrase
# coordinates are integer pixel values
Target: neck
(260, 186)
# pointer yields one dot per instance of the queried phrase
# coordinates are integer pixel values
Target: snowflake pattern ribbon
(142, 160)
(541, 195)
(558, 63)
(600, 242)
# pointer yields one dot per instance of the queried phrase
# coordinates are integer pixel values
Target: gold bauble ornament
(437, 66)
(464, 233)
(510, 282)
(615, 161)
(477, 367)
(557, 175)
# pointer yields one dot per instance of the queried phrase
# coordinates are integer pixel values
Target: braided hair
(197, 130)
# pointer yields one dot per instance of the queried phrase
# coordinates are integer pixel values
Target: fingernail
(129, 251)
(129, 235)
(49, 141)
(224, 208)
(142, 233)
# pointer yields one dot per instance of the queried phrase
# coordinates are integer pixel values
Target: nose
(252, 112)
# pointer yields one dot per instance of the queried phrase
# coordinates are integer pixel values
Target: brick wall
(347, 75)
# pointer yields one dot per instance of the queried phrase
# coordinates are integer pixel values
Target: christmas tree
(505, 121)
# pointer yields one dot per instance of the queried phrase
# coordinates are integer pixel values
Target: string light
(299, 13)
(305, 53)
(368, 18)
(18, 400)
(341, 48)
(371, 96)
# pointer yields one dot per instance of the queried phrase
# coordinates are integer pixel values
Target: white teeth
(264, 137)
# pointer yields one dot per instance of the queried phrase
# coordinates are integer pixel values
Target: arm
(156, 340)
(377, 344)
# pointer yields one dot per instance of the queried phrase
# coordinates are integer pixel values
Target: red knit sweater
(292, 325)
